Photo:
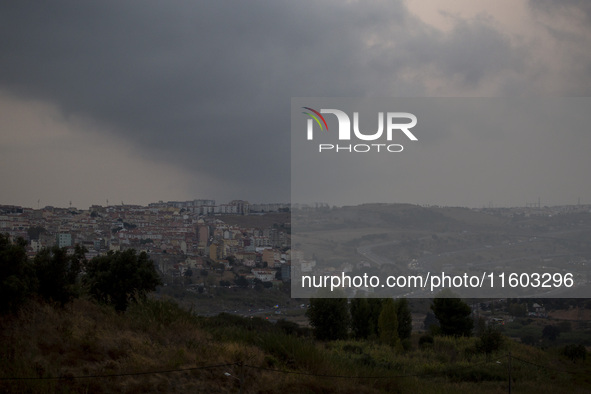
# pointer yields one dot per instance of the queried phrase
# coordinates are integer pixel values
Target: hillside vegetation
(155, 346)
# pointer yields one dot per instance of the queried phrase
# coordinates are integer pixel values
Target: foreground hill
(158, 347)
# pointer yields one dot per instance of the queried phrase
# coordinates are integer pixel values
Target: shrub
(490, 340)
(425, 340)
(289, 327)
(406, 344)
(529, 339)
(575, 352)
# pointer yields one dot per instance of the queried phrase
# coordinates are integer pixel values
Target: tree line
(57, 275)
(385, 319)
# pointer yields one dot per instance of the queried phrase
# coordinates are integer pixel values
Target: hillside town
(180, 236)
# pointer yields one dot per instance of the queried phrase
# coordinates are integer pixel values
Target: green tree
(17, 278)
(375, 308)
(388, 323)
(119, 278)
(329, 317)
(57, 273)
(360, 318)
(454, 315)
(404, 318)
(490, 340)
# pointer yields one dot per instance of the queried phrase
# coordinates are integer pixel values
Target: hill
(156, 346)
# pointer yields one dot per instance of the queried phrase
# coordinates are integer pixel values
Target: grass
(60, 345)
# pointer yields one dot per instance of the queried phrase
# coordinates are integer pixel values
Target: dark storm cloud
(207, 85)
(582, 8)
(568, 22)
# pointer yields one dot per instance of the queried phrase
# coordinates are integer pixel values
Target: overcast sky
(140, 101)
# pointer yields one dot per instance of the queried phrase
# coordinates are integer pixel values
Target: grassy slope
(87, 339)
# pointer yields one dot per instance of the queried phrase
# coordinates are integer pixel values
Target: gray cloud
(581, 8)
(207, 85)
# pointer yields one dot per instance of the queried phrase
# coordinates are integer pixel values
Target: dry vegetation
(64, 347)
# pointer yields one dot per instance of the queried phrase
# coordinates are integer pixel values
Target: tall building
(63, 240)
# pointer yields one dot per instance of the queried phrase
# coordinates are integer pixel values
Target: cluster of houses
(178, 236)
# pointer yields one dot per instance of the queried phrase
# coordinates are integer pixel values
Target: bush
(348, 348)
(490, 341)
(425, 340)
(288, 327)
(406, 344)
(159, 313)
(575, 352)
(293, 329)
(529, 339)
